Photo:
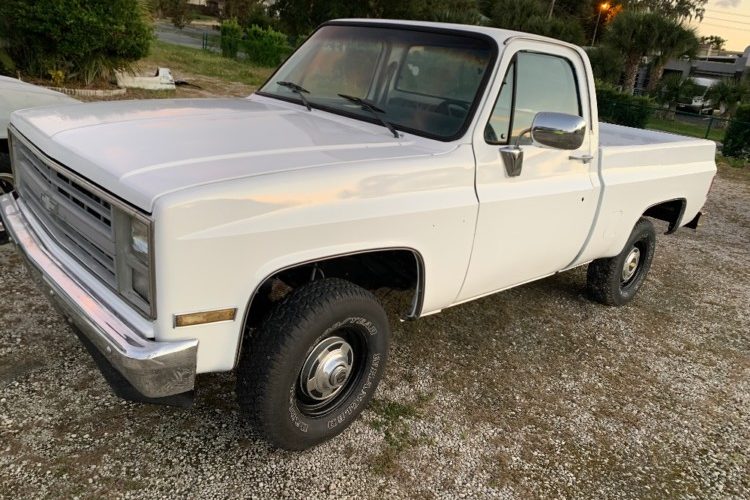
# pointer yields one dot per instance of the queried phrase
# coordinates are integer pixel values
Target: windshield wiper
(373, 109)
(300, 91)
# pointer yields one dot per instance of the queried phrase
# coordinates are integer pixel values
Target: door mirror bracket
(513, 156)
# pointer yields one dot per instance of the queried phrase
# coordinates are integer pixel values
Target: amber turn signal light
(200, 318)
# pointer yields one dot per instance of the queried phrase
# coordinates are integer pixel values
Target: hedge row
(264, 46)
(623, 109)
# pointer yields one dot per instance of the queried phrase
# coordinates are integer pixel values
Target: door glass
(544, 83)
(497, 129)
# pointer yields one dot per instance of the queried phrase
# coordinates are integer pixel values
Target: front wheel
(314, 364)
(615, 281)
(6, 175)
(6, 186)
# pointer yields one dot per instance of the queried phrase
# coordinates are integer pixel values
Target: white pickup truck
(193, 236)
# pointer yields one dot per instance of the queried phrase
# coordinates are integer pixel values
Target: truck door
(533, 224)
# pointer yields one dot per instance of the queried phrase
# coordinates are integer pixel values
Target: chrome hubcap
(327, 369)
(631, 264)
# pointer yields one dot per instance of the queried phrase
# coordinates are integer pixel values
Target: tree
(728, 94)
(673, 41)
(178, 11)
(248, 12)
(715, 42)
(606, 63)
(675, 9)
(634, 35)
(532, 16)
(84, 40)
(298, 17)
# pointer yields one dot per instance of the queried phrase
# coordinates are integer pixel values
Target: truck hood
(140, 150)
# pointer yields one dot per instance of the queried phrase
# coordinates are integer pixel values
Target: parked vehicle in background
(699, 102)
(14, 95)
(195, 236)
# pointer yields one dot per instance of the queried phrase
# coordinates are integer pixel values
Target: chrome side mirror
(558, 130)
(554, 130)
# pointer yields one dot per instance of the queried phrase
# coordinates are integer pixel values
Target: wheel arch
(257, 305)
(670, 211)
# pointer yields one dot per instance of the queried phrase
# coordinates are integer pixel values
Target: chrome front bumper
(154, 369)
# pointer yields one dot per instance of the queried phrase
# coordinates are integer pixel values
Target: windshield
(422, 82)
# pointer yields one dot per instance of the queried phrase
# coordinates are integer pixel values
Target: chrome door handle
(585, 158)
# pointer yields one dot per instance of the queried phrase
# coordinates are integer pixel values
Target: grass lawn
(200, 62)
(690, 129)
(735, 163)
(212, 75)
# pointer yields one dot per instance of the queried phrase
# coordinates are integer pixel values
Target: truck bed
(642, 168)
(617, 135)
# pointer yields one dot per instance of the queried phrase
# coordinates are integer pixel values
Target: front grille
(76, 217)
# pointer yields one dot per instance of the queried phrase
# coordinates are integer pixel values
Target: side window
(498, 128)
(545, 83)
(540, 82)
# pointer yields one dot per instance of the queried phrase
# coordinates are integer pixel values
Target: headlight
(133, 260)
(139, 239)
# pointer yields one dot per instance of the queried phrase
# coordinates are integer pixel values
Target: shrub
(737, 136)
(7, 66)
(265, 46)
(178, 11)
(87, 41)
(231, 35)
(623, 109)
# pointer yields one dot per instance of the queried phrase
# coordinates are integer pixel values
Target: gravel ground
(532, 392)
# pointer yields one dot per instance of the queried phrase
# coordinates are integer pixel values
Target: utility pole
(602, 8)
(551, 8)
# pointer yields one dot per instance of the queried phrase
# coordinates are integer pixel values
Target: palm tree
(728, 94)
(634, 34)
(673, 41)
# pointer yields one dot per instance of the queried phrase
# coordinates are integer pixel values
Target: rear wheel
(314, 363)
(616, 280)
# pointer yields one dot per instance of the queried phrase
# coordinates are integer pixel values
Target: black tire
(6, 184)
(606, 278)
(269, 386)
(5, 187)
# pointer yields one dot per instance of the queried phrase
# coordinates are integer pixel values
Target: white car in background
(15, 95)
(700, 103)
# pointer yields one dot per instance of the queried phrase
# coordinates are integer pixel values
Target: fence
(705, 126)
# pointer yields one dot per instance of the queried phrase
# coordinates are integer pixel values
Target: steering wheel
(453, 108)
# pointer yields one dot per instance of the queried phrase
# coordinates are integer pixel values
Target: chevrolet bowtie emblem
(49, 203)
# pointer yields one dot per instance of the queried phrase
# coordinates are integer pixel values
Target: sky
(729, 19)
